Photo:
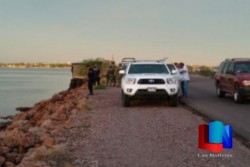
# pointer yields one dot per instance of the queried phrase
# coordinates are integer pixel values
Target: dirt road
(148, 134)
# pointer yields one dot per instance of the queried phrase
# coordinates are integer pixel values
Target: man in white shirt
(184, 79)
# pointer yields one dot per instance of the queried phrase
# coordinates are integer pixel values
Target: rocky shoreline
(36, 137)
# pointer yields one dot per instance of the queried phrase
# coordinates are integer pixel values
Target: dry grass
(84, 126)
(86, 106)
(57, 156)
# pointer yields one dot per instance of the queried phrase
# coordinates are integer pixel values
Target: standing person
(91, 80)
(96, 75)
(110, 76)
(118, 76)
(177, 65)
(184, 79)
(113, 83)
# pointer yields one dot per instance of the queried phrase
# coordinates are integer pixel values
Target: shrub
(206, 71)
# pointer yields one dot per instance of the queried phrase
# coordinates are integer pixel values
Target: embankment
(35, 137)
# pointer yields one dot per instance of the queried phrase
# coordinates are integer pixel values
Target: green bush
(206, 71)
(98, 62)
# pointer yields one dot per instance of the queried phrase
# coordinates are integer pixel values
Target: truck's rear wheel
(219, 92)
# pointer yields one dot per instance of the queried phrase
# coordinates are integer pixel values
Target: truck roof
(147, 62)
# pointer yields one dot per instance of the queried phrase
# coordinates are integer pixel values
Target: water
(25, 87)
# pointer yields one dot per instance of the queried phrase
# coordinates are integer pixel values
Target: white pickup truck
(149, 79)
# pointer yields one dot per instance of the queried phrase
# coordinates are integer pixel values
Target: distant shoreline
(37, 67)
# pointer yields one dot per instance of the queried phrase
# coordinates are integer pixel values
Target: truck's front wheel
(238, 98)
(126, 102)
(173, 100)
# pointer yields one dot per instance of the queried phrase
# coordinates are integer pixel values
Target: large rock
(2, 160)
(48, 124)
(48, 142)
(4, 150)
(57, 97)
(13, 157)
(9, 164)
(15, 139)
(22, 125)
(29, 140)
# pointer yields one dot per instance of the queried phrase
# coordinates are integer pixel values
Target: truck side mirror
(174, 71)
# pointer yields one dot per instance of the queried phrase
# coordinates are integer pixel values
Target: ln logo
(215, 136)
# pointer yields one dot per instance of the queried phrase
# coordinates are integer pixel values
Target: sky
(202, 32)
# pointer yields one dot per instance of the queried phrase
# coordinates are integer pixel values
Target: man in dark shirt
(96, 75)
(110, 76)
(91, 80)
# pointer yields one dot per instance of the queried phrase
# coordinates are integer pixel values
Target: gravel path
(148, 134)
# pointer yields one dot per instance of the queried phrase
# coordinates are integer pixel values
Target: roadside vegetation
(82, 67)
(205, 71)
(35, 65)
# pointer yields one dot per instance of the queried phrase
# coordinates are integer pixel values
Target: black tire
(219, 92)
(126, 101)
(238, 98)
(173, 100)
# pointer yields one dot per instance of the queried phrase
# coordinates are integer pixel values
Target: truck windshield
(148, 68)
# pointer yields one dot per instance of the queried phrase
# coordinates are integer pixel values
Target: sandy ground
(148, 134)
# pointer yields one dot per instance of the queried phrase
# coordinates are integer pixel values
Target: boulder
(48, 142)
(29, 140)
(4, 150)
(4, 125)
(22, 125)
(48, 124)
(9, 164)
(57, 97)
(2, 160)
(15, 158)
(23, 109)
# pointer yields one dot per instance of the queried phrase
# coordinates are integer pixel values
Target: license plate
(151, 89)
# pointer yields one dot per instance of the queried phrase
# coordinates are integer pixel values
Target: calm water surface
(25, 87)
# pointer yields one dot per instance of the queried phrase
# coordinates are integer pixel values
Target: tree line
(35, 65)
